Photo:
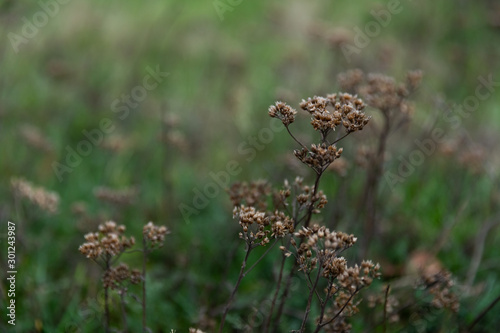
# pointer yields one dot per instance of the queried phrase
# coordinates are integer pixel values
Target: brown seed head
(283, 112)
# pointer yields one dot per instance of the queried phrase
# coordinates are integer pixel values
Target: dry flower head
(117, 197)
(283, 112)
(106, 243)
(35, 138)
(440, 286)
(44, 199)
(117, 277)
(155, 234)
(380, 91)
(257, 226)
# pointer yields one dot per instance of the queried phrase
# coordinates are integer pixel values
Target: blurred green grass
(223, 75)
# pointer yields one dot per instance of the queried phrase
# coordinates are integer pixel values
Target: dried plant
(440, 285)
(390, 98)
(34, 137)
(257, 227)
(153, 237)
(122, 197)
(46, 200)
(105, 248)
(318, 256)
(315, 248)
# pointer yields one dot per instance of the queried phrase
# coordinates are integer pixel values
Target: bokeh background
(227, 61)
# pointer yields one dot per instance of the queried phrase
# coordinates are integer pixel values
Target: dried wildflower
(46, 200)
(319, 249)
(253, 224)
(283, 112)
(280, 197)
(338, 325)
(79, 208)
(344, 298)
(281, 224)
(350, 80)
(116, 277)
(343, 308)
(35, 138)
(107, 243)
(423, 263)
(307, 198)
(116, 197)
(315, 104)
(380, 91)
(322, 245)
(439, 285)
(252, 194)
(413, 79)
(319, 157)
(357, 277)
(350, 109)
(389, 302)
(345, 110)
(155, 234)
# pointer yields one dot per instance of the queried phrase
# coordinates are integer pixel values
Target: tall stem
(144, 258)
(321, 325)
(275, 296)
(369, 199)
(293, 137)
(106, 299)
(292, 271)
(309, 300)
(231, 298)
(124, 313)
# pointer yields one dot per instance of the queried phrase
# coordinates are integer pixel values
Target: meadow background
(224, 70)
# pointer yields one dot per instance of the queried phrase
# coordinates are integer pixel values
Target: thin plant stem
(337, 140)
(290, 275)
(106, 298)
(144, 258)
(233, 293)
(384, 329)
(106, 310)
(483, 313)
(124, 313)
(372, 185)
(284, 296)
(321, 325)
(309, 300)
(300, 143)
(261, 257)
(325, 302)
(275, 296)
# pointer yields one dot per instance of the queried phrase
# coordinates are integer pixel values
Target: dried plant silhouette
(106, 247)
(315, 249)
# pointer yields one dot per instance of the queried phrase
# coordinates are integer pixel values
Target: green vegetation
(147, 111)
